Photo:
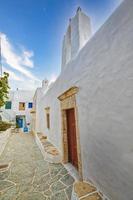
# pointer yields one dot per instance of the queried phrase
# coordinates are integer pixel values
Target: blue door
(19, 122)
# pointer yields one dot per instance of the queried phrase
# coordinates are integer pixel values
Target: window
(47, 110)
(21, 106)
(30, 105)
(8, 105)
(48, 120)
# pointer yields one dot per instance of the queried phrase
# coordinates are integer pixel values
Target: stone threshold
(49, 151)
(4, 167)
(72, 171)
(86, 191)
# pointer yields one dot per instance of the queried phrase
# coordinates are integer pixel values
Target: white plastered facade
(103, 72)
(16, 97)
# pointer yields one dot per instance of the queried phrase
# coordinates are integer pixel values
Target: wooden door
(71, 135)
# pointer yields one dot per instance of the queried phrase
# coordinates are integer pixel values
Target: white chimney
(77, 35)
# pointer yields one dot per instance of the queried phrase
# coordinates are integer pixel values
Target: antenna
(0, 59)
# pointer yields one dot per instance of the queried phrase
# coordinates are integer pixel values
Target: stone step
(50, 153)
(85, 191)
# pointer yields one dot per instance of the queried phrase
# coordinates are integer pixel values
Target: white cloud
(20, 63)
(25, 84)
(27, 55)
(12, 75)
(14, 60)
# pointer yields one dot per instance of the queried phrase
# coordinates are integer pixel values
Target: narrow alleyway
(30, 177)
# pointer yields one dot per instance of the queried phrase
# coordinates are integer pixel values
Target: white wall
(103, 71)
(77, 35)
(19, 96)
(26, 97)
(80, 32)
(8, 114)
(66, 49)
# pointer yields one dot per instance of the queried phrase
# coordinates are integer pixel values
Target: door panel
(19, 122)
(71, 135)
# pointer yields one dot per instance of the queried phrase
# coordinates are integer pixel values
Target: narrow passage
(30, 177)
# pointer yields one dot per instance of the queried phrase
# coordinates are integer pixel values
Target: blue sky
(32, 33)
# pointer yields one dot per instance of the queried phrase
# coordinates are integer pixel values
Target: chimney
(77, 35)
(78, 9)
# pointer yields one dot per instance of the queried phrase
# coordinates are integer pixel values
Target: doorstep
(86, 191)
(49, 151)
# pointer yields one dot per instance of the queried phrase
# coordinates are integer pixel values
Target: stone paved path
(30, 177)
(3, 139)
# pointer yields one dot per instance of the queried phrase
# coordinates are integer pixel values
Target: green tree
(4, 89)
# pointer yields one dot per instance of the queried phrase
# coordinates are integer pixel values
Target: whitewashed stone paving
(30, 177)
(4, 139)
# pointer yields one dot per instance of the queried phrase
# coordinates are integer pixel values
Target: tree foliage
(4, 125)
(4, 89)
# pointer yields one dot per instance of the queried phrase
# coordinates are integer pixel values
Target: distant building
(18, 108)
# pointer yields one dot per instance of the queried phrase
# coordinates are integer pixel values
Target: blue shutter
(30, 105)
(8, 105)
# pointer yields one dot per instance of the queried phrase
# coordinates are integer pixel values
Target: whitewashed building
(88, 112)
(18, 108)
